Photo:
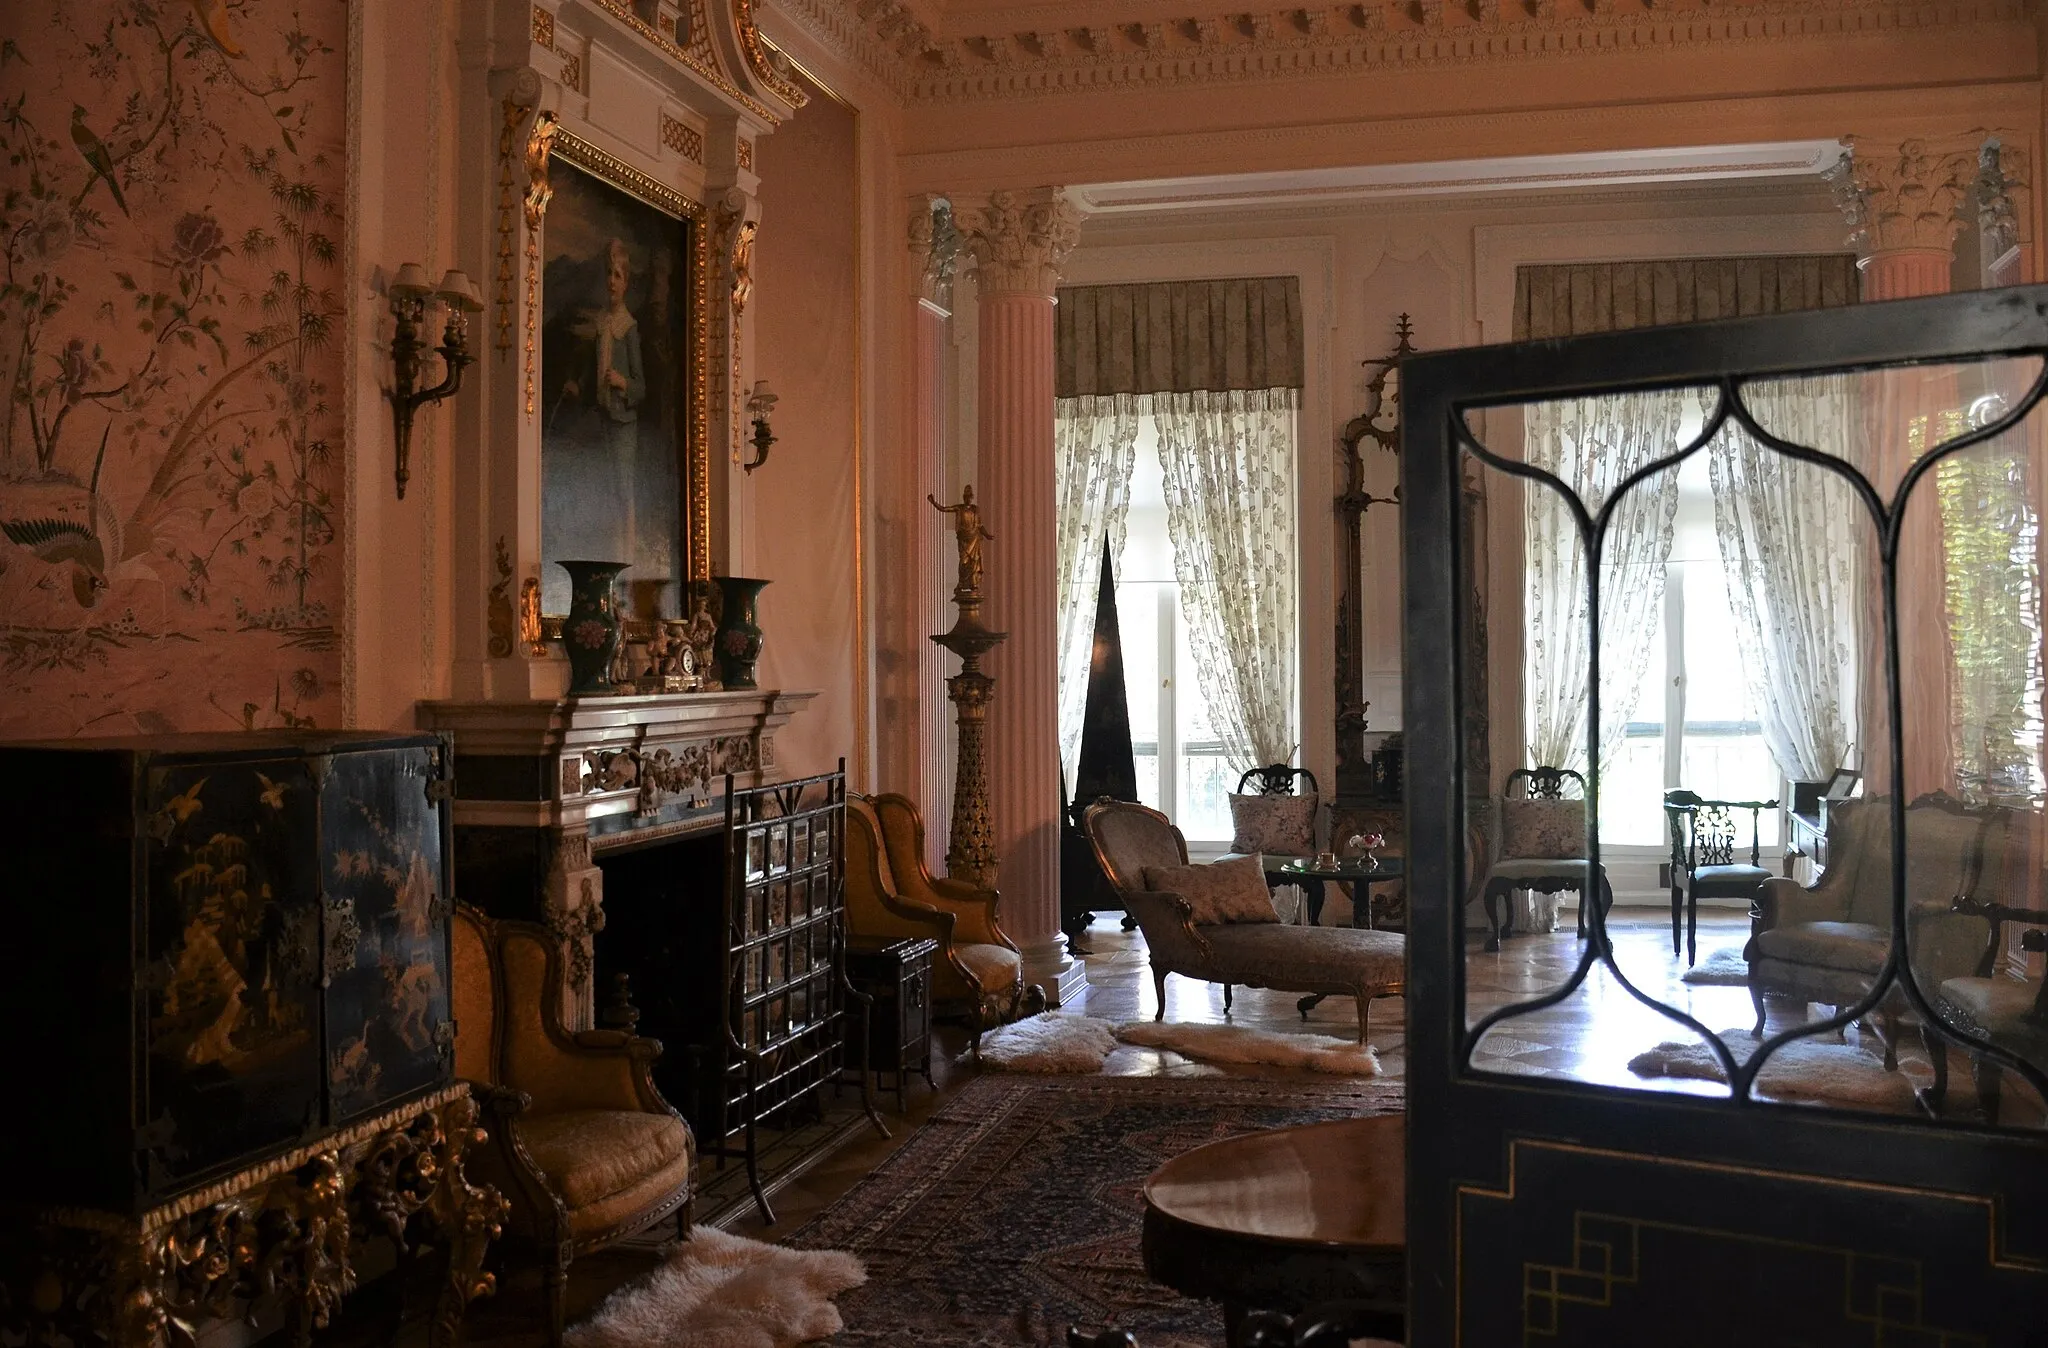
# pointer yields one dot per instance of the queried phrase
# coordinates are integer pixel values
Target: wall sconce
(410, 298)
(759, 405)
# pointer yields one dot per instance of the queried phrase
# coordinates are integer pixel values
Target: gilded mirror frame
(693, 377)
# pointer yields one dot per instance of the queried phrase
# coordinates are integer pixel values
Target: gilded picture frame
(623, 409)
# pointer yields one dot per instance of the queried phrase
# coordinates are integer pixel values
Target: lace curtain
(1228, 459)
(1790, 548)
(1094, 439)
(1591, 445)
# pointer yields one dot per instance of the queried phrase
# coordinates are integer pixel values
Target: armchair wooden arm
(598, 1069)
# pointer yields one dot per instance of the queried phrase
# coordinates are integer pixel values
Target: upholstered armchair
(580, 1139)
(890, 893)
(2012, 1013)
(1320, 961)
(1827, 943)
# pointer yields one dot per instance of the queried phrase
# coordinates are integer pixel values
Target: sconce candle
(760, 403)
(411, 296)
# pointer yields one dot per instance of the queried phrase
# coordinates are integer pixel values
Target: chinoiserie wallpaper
(172, 335)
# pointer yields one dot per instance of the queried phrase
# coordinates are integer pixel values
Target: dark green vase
(739, 636)
(590, 634)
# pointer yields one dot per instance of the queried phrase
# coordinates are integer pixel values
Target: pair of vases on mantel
(591, 632)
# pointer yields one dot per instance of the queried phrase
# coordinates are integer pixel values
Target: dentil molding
(903, 52)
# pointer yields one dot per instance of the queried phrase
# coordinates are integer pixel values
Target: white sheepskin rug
(725, 1291)
(1048, 1043)
(1724, 968)
(1237, 1044)
(1806, 1071)
(1079, 1044)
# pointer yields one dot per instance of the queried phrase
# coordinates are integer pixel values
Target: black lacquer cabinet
(213, 948)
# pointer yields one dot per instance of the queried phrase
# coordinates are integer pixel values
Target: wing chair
(890, 893)
(1827, 943)
(580, 1139)
(1338, 961)
(1704, 860)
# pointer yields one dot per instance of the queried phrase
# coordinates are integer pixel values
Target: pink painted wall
(802, 526)
(170, 495)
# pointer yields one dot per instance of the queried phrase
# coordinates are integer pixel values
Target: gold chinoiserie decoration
(971, 847)
(291, 1228)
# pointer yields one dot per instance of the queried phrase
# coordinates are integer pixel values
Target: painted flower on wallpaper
(197, 239)
(167, 520)
(45, 236)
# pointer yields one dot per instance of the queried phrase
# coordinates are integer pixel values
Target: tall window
(1694, 724)
(1180, 759)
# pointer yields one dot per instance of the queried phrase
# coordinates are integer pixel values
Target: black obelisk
(1106, 766)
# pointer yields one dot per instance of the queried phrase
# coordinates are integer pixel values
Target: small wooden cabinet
(897, 975)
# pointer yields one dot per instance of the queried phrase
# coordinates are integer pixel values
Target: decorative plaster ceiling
(1789, 159)
(955, 50)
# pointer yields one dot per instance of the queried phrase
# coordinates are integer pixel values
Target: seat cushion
(1305, 959)
(1851, 947)
(1537, 868)
(995, 967)
(1282, 824)
(1726, 881)
(1995, 1005)
(1221, 892)
(636, 1206)
(589, 1155)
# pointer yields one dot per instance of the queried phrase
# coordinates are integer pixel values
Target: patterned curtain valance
(1178, 337)
(1569, 299)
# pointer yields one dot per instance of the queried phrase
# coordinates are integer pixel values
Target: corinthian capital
(1905, 197)
(935, 244)
(1020, 239)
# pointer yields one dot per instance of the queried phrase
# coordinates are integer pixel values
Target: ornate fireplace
(544, 787)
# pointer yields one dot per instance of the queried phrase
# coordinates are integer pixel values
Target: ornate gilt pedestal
(291, 1228)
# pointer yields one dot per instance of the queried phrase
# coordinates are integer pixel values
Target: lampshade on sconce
(411, 296)
(759, 404)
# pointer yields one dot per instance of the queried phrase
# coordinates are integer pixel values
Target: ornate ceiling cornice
(904, 53)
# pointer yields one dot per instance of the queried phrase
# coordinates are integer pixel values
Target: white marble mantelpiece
(564, 779)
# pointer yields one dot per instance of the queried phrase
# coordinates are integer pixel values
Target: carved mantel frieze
(1020, 240)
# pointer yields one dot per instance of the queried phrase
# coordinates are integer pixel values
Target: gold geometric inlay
(683, 138)
(544, 27)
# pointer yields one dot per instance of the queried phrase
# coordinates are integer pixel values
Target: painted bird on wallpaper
(94, 152)
(59, 523)
(213, 21)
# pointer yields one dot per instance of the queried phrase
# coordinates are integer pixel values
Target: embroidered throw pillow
(1224, 891)
(1285, 825)
(1543, 828)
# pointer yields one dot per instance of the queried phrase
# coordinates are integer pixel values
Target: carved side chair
(1279, 779)
(1543, 853)
(581, 1141)
(1704, 837)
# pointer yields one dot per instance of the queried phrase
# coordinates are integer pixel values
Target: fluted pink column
(1018, 241)
(1903, 201)
(934, 247)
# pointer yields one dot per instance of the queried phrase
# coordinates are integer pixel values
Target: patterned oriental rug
(1016, 1211)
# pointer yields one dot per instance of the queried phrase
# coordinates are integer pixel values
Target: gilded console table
(290, 1228)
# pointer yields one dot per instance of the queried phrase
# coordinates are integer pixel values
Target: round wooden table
(1286, 1219)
